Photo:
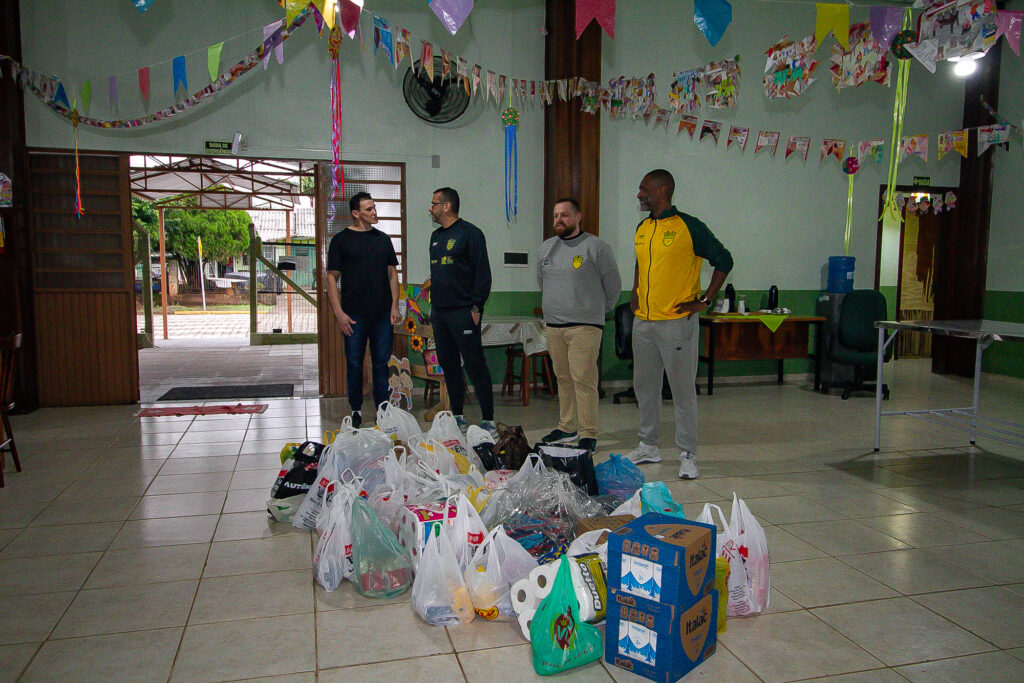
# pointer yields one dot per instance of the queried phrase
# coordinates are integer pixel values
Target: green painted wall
(1004, 358)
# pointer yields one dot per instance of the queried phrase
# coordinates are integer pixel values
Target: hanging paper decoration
(993, 135)
(712, 17)
(898, 48)
(591, 99)
(739, 136)
(950, 200)
(885, 23)
(427, 59)
(492, 85)
(850, 167)
(603, 11)
(451, 13)
(563, 89)
(142, 5)
(510, 118)
(180, 75)
(382, 39)
(402, 37)
(502, 87)
(767, 139)
(834, 18)
(6, 197)
(85, 93)
(683, 93)
(798, 145)
(350, 11)
(832, 147)
(1009, 24)
(958, 27)
(865, 60)
(213, 60)
(61, 96)
(687, 123)
(872, 148)
(788, 68)
(721, 82)
(78, 176)
(292, 9)
(112, 91)
(318, 19)
(914, 146)
(273, 39)
(476, 78)
(953, 141)
(712, 129)
(462, 70)
(661, 117)
(144, 83)
(446, 64)
(337, 171)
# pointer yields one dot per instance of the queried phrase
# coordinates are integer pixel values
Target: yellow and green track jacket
(669, 250)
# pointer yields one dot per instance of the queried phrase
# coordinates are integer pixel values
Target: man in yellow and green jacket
(667, 300)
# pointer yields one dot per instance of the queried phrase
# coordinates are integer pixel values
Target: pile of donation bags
(491, 528)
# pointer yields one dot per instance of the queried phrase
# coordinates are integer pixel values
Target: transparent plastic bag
(439, 593)
(381, 567)
(546, 495)
(497, 564)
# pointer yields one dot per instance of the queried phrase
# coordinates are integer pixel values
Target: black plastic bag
(578, 463)
(298, 473)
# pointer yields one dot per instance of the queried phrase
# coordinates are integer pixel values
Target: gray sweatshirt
(579, 280)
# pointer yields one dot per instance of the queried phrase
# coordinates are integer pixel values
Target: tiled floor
(139, 549)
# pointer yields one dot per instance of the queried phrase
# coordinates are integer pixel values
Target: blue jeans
(377, 330)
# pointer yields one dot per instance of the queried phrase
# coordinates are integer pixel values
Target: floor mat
(176, 411)
(209, 393)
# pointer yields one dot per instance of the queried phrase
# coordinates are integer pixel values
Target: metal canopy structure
(201, 182)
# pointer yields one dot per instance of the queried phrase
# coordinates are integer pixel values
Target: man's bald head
(659, 177)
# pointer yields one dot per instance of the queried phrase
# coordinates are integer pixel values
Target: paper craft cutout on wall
(958, 27)
(832, 147)
(721, 82)
(767, 139)
(799, 145)
(634, 97)
(739, 136)
(6, 191)
(683, 96)
(687, 123)
(788, 67)
(399, 382)
(712, 129)
(993, 135)
(873, 149)
(914, 145)
(953, 141)
(864, 61)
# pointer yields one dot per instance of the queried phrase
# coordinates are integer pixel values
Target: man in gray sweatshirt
(579, 283)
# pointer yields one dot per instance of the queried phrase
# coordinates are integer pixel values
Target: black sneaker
(589, 444)
(357, 419)
(558, 436)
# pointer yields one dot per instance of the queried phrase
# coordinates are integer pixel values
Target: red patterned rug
(238, 409)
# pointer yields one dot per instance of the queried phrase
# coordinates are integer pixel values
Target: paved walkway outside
(206, 325)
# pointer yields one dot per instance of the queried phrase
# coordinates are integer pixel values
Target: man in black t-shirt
(363, 260)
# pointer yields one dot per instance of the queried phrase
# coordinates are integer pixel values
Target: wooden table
(734, 336)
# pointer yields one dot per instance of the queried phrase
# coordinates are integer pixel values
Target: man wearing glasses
(460, 282)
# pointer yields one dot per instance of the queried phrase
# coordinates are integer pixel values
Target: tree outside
(224, 233)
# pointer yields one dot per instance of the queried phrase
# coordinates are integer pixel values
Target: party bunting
(318, 19)
(873, 149)
(350, 12)
(85, 93)
(722, 81)
(463, 71)
(427, 59)
(798, 145)
(329, 16)
(958, 27)
(834, 18)
(712, 129)
(446, 63)
(788, 68)
(662, 117)
(885, 24)
(144, 83)
(914, 145)
(272, 40)
(683, 93)
(451, 13)
(687, 123)
(476, 78)
(492, 85)
(112, 91)
(992, 135)
(1009, 24)
(402, 38)
(502, 87)
(832, 147)
(382, 39)
(180, 74)
(953, 141)
(865, 60)
(767, 139)
(739, 136)
(142, 5)
(60, 96)
(603, 11)
(213, 60)
(292, 9)
(712, 17)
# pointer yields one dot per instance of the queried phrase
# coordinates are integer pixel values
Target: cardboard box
(657, 640)
(610, 522)
(663, 558)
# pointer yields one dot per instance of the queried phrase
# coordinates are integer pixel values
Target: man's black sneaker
(357, 419)
(589, 444)
(558, 436)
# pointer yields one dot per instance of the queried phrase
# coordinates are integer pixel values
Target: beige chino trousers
(573, 352)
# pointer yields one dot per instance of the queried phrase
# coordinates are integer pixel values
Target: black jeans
(458, 341)
(376, 329)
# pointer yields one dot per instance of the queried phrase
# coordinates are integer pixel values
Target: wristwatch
(475, 309)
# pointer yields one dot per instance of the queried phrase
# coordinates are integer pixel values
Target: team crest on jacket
(451, 244)
(669, 237)
(577, 261)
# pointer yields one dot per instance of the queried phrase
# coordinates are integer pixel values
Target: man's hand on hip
(691, 307)
(345, 323)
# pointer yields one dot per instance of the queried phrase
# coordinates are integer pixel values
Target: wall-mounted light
(966, 65)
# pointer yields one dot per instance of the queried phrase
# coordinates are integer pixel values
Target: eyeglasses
(436, 203)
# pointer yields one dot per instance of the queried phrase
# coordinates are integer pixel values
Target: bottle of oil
(730, 294)
(773, 297)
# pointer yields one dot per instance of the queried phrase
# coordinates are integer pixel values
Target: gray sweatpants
(668, 346)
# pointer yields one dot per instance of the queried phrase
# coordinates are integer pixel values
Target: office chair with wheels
(855, 342)
(8, 347)
(624, 350)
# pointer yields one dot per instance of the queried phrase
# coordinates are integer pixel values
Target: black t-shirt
(362, 258)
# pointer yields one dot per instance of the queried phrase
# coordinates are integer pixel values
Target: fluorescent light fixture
(965, 67)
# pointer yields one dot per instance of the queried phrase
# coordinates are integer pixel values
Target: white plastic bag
(398, 424)
(466, 531)
(587, 543)
(434, 455)
(445, 429)
(477, 435)
(355, 446)
(743, 544)
(439, 593)
(332, 561)
(309, 510)
(631, 506)
(497, 564)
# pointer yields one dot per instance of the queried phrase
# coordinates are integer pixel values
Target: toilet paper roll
(524, 596)
(543, 577)
(524, 622)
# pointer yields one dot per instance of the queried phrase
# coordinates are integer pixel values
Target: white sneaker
(644, 453)
(688, 465)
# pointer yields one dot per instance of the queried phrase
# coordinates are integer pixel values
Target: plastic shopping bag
(439, 593)
(655, 497)
(743, 544)
(380, 567)
(445, 429)
(305, 517)
(467, 531)
(618, 477)
(298, 473)
(398, 424)
(498, 563)
(560, 639)
(332, 560)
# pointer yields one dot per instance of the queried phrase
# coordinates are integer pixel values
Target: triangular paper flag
(318, 19)
(834, 18)
(451, 13)
(112, 91)
(1009, 24)
(328, 14)
(213, 60)
(601, 10)
(86, 95)
(350, 12)
(272, 41)
(61, 96)
(885, 24)
(180, 76)
(144, 83)
(292, 9)
(712, 17)
(427, 59)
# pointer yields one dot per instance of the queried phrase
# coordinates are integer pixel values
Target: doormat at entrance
(177, 411)
(227, 391)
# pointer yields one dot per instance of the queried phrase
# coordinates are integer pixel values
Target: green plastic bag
(382, 567)
(560, 639)
(655, 497)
